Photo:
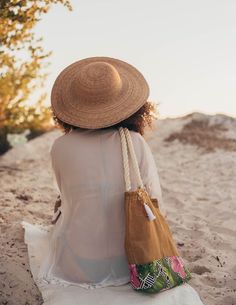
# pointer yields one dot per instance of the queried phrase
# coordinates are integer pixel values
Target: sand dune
(196, 159)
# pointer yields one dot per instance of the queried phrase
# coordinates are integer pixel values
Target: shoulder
(57, 144)
(140, 141)
(137, 137)
(142, 149)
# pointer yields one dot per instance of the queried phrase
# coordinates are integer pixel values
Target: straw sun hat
(98, 92)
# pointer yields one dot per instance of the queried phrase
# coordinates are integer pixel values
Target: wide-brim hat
(98, 92)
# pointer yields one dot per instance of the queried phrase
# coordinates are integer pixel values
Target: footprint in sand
(200, 270)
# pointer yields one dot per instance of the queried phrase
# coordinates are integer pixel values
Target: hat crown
(97, 80)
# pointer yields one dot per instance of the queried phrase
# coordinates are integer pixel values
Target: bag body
(154, 261)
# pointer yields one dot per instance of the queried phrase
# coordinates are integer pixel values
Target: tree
(23, 64)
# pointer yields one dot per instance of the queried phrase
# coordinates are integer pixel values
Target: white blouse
(87, 242)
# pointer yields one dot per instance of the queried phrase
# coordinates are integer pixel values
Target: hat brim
(85, 114)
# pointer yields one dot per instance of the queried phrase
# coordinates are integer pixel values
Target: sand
(196, 159)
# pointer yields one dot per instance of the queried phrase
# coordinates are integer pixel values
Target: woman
(90, 100)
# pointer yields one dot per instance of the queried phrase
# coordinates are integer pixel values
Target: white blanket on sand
(36, 238)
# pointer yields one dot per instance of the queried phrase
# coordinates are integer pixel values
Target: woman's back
(88, 239)
(86, 245)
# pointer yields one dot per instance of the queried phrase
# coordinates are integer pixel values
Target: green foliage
(23, 64)
(166, 277)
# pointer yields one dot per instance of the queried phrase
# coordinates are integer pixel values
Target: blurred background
(185, 49)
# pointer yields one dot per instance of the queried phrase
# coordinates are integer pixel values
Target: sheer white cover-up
(87, 242)
(85, 248)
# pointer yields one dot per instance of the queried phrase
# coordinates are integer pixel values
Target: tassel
(149, 212)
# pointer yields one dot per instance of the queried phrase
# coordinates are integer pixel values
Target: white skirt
(64, 293)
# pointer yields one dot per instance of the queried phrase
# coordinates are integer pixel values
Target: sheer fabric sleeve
(149, 173)
(54, 167)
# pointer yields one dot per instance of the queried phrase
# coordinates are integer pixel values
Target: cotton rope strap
(126, 143)
(125, 159)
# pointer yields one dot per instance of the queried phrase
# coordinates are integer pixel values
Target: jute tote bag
(154, 261)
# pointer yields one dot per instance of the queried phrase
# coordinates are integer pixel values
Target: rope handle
(126, 141)
(127, 144)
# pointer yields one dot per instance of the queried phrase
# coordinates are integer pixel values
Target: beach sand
(196, 160)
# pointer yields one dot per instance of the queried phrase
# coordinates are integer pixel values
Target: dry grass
(206, 136)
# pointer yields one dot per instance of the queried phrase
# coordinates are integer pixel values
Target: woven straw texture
(98, 92)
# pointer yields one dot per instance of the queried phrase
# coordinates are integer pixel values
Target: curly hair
(138, 121)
